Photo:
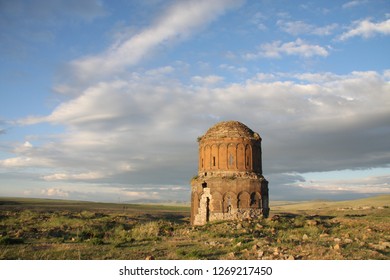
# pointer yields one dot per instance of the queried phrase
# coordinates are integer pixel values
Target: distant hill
(375, 201)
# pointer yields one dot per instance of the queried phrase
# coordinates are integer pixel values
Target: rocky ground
(319, 230)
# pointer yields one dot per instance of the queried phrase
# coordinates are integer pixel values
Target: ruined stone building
(229, 184)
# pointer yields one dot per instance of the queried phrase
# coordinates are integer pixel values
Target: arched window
(231, 160)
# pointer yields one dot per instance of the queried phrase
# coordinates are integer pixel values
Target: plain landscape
(43, 229)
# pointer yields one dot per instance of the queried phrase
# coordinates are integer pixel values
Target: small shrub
(149, 230)
(6, 240)
(119, 235)
(96, 241)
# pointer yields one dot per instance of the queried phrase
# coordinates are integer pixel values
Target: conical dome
(232, 129)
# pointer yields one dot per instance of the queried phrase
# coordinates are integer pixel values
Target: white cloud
(366, 29)
(208, 80)
(299, 47)
(176, 23)
(258, 20)
(160, 71)
(130, 128)
(24, 149)
(233, 68)
(92, 175)
(354, 3)
(300, 27)
(109, 193)
(27, 145)
(22, 161)
(370, 184)
(143, 130)
(54, 192)
(266, 77)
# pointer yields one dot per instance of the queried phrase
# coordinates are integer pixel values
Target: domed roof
(233, 129)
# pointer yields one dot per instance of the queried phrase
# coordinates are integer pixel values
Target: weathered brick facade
(230, 183)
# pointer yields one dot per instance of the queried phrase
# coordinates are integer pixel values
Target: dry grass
(36, 229)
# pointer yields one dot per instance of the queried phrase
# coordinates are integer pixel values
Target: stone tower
(230, 183)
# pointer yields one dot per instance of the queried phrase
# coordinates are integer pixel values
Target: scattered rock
(238, 244)
(290, 257)
(336, 247)
(258, 226)
(255, 247)
(305, 237)
(231, 255)
(385, 243)
(258, 234)
(275, 218)
(311, 222)
(260, 254)
(348, 241)
(381, 246)
(149, 258)
(245, 252)
(337, 240)
(239, 226)
(323, 235)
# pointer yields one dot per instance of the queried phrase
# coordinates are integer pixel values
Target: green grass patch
(55, 229)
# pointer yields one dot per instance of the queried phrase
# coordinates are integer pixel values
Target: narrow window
(231, 160)
(202, 162)
(213, 161)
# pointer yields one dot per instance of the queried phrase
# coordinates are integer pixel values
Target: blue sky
(104, 100)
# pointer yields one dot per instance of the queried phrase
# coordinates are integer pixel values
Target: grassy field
(59, 229)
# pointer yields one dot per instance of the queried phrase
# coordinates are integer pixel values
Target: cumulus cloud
(366, 29)
(298, 47)
(136, 132)
(134, 135)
